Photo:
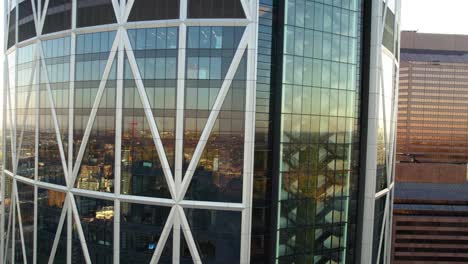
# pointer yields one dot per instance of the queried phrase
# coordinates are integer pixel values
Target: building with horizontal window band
(198, 131)
(431, 191)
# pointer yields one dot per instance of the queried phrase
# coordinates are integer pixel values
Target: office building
(432, 151)
(205, 131)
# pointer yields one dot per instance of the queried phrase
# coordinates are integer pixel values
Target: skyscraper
(214, 131)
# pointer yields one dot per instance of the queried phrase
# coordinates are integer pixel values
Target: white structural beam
(377, 99)
(249, 133)
(180, 110)
(372, 135)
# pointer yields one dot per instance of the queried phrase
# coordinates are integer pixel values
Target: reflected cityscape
(198, 131)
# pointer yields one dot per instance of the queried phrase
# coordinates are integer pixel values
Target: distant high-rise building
(205, 131)
(431, 193)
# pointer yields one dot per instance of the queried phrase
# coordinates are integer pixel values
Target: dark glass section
(26, 28)
(156, 57)
(58, 16)
(97, 221)
(11, 28)
(154, 10)
(262, 185)
(319, 138)
(217, 236)
(215, 9)
(25, 113)
(49, 209)
(140, 229)
(94, 12)
(26, 201)
(57, 60)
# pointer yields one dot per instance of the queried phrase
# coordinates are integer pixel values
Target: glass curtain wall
(319, 131)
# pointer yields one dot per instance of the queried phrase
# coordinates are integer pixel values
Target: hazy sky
(435, 16)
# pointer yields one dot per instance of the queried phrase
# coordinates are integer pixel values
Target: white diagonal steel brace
(71, 118)
(13, 224)
(149, 116)
(23, 123)
(35, 17)
(12, 124)
(59, 231)
(188, 235)
(20, 222)
(246, 7)
(214, 113)
(54, 113)
(384, 226)
(4, 108)
(94, 110)
(128, 9)
(249, 139)
(12, 117)
(163, 237)
(79, 228)
(179, 140)
(43, 16)
(117, 13)
(118, 145)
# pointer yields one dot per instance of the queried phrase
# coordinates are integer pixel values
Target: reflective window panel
(26, 28)
(154, 10)
(93, 13)
(215, 9)
(58, 16)
(11, 28)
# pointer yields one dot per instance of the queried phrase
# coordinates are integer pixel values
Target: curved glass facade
(183, 131)
(129, 142)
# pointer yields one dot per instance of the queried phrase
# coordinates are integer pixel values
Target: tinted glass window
(25, 21)
(12, 28)
(154, 10)
(389, 31)
(215, 9)
(58, 16)
(95, 12)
